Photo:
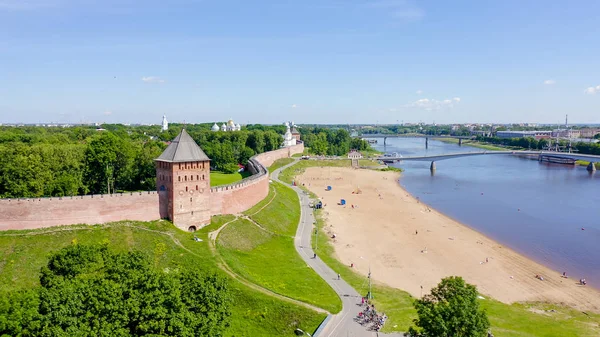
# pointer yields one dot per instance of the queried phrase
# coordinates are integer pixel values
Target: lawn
(516, 320)
(23, 253)
(267, 256)
(219, 178)
(282, 214)
(279, 163)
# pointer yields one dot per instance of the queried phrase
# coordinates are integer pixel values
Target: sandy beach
(409, 245)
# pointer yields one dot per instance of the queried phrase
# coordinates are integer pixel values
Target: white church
(230, 126)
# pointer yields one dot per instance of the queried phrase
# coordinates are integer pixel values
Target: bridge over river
(413, 135)
(541, 156)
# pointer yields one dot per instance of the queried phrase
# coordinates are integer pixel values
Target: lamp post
(369, 294)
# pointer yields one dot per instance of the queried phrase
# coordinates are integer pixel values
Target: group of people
(369, 316)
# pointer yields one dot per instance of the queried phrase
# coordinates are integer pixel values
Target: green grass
(281, 216)
(219, 178)
(516, 320)
(289, 173)
(279, 163)
(23, 253)
(586, 163)
(268, 257)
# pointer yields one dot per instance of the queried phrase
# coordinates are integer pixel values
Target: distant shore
(410, 246)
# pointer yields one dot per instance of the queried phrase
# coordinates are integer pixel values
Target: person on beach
(416, 232)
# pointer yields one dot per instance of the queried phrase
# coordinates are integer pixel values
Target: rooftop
(183, 149)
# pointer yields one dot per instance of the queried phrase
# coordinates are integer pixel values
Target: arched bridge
(541, 155)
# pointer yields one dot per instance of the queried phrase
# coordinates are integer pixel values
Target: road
(341, 324)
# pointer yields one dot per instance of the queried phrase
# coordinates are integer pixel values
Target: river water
(548, 212)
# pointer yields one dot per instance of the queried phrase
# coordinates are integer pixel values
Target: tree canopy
(91, 291)
(330, 141)
(451, 310)
(43, 161)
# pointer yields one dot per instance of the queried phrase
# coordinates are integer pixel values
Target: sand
(381, 232)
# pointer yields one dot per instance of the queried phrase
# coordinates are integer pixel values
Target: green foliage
(89, 290)
(330, 141)
(451, 310)
(41, 162)
(253, 313)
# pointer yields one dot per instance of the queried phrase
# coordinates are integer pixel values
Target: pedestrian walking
(315, 256)
(338, 276)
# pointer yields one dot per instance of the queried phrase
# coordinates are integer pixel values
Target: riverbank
(490, 147)
(407, 245)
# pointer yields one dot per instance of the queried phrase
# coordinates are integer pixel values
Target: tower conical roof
(183, 149)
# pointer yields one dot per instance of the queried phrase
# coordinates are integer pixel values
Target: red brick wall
(47, 212)
(236, 198)
(185, 192)
(144, 206)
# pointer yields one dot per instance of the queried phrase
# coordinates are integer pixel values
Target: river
(548, 212)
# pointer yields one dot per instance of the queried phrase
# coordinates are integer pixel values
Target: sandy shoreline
(410, 245)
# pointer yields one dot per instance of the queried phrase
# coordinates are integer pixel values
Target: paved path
(341, 324)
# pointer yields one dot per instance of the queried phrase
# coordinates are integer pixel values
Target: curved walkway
(341, 324)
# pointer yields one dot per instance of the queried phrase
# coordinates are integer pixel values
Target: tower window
(192, 177)
(186, 188)
(179, 178)
(197, 177)
(185, 178)
(196, 187)
(203, 177)
(180, 166)
(190, 199)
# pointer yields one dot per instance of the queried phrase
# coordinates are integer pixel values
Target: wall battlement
(78, 197)
(32, 213)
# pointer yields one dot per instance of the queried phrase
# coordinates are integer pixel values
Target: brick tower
(183, 183)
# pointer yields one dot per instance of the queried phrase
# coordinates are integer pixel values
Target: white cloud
(433, 104)
(152, 79)
(294, 106)
(549, 82)
(419, 92)
(107, 113)
(592, 90)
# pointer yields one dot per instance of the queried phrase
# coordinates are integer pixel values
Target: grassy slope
(516, 320)
(268, 258)
(219, 178)
(253, 313)
(279, 163)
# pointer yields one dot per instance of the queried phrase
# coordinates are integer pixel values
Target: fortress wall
(243, 195)
(267, 158)
(47, 212)
(34, 213)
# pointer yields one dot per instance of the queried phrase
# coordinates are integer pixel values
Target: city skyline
(318, 61)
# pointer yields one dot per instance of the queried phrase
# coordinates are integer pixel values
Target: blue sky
(311, 61)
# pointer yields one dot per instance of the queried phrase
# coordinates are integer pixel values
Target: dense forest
(88, 290)
(330, 141)
(41, 161)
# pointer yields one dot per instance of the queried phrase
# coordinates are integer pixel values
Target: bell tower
(183, 183)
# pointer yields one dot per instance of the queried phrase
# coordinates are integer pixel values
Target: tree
(451, 310)
(87, 290)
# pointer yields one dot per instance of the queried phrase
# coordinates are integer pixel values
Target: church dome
(238, 127)
(215, 127)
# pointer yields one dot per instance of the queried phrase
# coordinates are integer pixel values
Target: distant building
(482, 133)
(165, 124)
(353, 154)
(295, 132)
(229, 126)
(523, 134)
(566, 133)
(288, 138)
(589, 132)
